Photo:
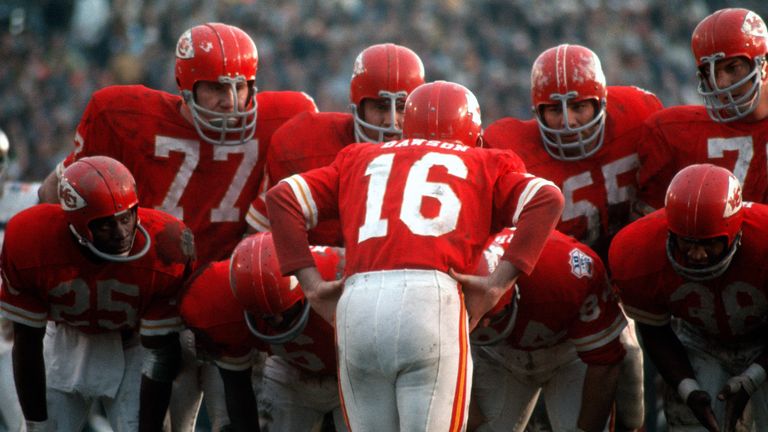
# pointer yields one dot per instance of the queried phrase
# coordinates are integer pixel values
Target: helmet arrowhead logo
(184, 48)
(734, 202)
(69, 198)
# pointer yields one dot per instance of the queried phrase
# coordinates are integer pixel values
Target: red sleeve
(538, 217)
(656, 166)
(289, 229)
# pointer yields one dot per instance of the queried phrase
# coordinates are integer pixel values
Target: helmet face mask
(99, 190)
(224, 55)
(385, 71)
(262, 291)
(443, 111)
(722, 37)
(704, 212)
(562, 76)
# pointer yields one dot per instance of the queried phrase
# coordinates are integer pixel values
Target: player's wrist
(750, 380)
(686, 387)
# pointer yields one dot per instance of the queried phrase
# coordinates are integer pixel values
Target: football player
(731, 129)
(267, 312)
(14, 197)
(104, 274)
(382, 76)
(583, 138)
(200, 154)
(557, 333)
(412, 211)
(694, 276)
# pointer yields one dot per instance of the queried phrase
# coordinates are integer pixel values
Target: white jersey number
(71, 300)
(744, 153)
(615, 194)
(226, 211)
(416, 188)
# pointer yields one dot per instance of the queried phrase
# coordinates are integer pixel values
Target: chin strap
(112, 257)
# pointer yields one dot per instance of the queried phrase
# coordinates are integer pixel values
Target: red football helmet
(563, 74)
(97, 187)
(223, 54)
(704, 201)
(256, 282)
(724, 34)
(383, 71)
(444, 111)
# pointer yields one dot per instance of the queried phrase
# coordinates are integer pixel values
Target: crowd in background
(56, 53)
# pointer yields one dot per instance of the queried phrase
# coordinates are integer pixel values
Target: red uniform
(309, 140)
(566, 298)
(598, 190)
(567, 321)
(217, 318)
(685, 135)
(409, 211)
(391, 197)
(47, 275)
(208, 187)
(728, 309)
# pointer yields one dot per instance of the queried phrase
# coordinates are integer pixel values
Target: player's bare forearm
(322, 295)
(597, 396)
(667, 352)
(481, 293)
(241, 402)
(29, 371)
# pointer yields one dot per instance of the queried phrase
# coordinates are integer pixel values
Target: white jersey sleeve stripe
(644, 317)
(257, 220)
(304, 196)
(23, 316)
(235, 363)
(161, 327)
(528, 194)
(602, 338)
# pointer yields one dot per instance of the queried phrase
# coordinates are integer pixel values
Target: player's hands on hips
(322, 295)
(701, 405)
(481, 293)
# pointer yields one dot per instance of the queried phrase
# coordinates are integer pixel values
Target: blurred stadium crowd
(55, 53)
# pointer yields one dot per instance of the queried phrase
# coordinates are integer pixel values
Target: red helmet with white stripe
(226, 55)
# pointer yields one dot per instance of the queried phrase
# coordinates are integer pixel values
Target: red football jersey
(207, 186)
(685, 135)
(567, 297)
(210, 309)
(598, 190)
(307, 141)
(47, 275)
(416, 204)
(729, 308)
